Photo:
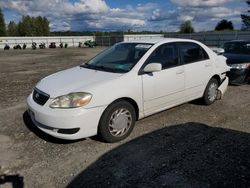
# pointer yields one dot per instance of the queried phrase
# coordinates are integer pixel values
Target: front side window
(120, 58)
(165, 55)
(192, 52)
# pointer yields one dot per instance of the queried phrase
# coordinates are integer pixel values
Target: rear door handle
(207, 64)
(180, 71)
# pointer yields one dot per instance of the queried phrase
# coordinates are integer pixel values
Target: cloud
(200, 3)
(160, 15)
(56, 6)
(217, 12)
(116, 18)
(184, 18)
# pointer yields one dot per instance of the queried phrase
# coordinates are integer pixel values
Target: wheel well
(217, 77)
(131, 101)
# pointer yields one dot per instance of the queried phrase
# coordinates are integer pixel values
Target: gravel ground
(187, 146)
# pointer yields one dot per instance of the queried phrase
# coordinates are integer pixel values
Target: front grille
(40, 97)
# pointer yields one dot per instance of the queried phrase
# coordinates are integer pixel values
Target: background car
(238, 58)
(125, 83)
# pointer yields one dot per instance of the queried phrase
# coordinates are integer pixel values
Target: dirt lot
(188, 146)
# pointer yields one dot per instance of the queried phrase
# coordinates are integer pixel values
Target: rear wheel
(117, 121)
(211, 92)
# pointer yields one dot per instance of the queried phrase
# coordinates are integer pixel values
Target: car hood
(237, 58)
(76, 79)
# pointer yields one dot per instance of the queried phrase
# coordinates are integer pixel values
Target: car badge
(37, 95)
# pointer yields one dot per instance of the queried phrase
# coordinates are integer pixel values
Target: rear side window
(192, 52)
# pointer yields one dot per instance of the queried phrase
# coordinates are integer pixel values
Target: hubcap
(120, 122)
(212, 92)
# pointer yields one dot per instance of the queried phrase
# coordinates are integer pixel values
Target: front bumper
(68, 124)
(239, 76)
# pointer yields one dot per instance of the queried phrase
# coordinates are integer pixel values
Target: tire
(211, 92)
(119, 116)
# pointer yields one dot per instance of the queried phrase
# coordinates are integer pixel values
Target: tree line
(28, 26)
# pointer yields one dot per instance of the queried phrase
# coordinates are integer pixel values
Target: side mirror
(153, 67)
(218, 51)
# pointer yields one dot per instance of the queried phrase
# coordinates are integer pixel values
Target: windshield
(237, 47)
(120, 58)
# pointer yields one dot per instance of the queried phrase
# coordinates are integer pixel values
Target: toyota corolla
(127, 82)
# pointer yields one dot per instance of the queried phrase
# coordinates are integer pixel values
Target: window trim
(141, 72)
(181, 58)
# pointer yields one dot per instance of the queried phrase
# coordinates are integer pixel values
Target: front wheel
(117, 121)
(211, 92)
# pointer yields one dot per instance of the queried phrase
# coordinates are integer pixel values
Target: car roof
(160, 40)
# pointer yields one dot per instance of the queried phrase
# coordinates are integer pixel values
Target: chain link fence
(215, 39)
(108, 40)
(212, 38)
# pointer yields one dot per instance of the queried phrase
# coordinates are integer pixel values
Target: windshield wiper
(86, 65)
(107, 69)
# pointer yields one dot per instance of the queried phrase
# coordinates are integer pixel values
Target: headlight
(71, 100)
(240, 66)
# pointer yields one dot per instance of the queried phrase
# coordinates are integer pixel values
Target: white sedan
(125, 83)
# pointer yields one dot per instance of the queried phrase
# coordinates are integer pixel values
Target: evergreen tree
(45, 27)
(12, 29)
(33, 26)
(39, 25)
(246, 19)
(224, 25)
(2, 24)
(25, 27)
(186, 27)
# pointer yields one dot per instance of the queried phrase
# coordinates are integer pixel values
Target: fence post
(73, 42)
(236, 35)
(218, 44)
(204, 38)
